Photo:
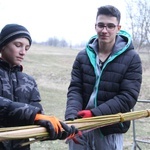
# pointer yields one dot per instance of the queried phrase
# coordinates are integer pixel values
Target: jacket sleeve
(16, 113)
(74, 95)
(129, 89)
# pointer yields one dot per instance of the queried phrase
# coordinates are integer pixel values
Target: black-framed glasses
(109, 26)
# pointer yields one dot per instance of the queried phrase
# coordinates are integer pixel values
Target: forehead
(106, 19)
(21, 40)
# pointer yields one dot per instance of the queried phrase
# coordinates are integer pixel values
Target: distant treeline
(53, 41)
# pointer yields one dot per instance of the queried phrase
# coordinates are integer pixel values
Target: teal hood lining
(92, 57)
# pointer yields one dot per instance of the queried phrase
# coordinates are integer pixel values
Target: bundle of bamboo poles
(37, 132)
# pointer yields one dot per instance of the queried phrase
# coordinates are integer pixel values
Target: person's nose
(104, 29)
(23, 51)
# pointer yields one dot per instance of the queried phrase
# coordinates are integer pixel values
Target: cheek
(7, 57)
(8, 54)
(97, 31)
(113, 35)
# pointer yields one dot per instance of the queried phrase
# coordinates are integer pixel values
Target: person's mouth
(20, 58)
(103, 37)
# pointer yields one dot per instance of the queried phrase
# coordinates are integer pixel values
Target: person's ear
(119, 28)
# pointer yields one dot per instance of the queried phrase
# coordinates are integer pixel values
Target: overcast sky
(72, 20)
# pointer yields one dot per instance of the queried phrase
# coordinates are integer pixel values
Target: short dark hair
(109, 10)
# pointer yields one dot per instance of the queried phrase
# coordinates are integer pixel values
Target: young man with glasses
(105, 79)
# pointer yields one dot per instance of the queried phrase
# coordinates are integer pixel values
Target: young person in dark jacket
(19, 95)
(105, 79)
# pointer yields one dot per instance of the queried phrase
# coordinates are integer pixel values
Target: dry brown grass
(51, 69)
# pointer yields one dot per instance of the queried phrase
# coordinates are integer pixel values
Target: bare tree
(138, 16)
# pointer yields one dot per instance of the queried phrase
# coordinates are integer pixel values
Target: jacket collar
(7, 67)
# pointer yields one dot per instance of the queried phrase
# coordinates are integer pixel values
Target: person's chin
(104, 41)
(17, 63)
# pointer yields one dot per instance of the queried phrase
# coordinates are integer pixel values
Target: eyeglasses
(109, 26)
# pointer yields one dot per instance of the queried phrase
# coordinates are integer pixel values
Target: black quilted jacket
(114, 87)
(16, 89)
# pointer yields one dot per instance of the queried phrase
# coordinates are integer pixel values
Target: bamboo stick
(34, 131)
(23, 133)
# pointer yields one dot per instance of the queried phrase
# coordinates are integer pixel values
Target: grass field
(51, 69)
